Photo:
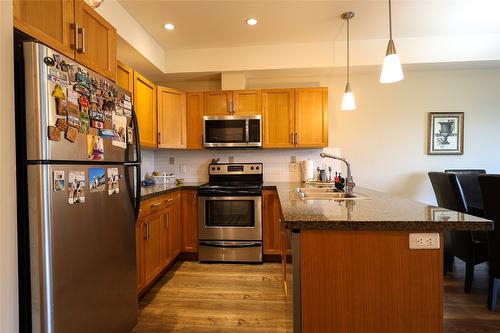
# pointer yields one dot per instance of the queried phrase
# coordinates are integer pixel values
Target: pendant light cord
(390, 20)
(348, 40)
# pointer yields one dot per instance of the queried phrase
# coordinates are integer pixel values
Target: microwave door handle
(247, 134)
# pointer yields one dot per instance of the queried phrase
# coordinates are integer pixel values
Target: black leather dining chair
(469, 183)
(461, 244)
(490, 189)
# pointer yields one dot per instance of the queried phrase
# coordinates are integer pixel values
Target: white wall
(385, 138)
(8, 234)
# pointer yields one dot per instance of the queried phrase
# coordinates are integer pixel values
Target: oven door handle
(231, 244)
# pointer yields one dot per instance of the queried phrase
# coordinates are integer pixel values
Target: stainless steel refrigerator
(78, 194)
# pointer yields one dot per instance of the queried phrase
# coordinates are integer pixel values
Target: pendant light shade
(391, 69)
(348, 102)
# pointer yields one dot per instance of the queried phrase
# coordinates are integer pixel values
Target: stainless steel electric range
(230, 213)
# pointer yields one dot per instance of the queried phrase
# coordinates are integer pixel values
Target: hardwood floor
(195, 297)
(467, 312)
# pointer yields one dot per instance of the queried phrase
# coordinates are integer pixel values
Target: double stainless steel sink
(326, 193)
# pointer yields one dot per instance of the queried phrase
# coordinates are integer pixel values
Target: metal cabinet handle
(233, 107)
(159, 137)
(168, 219)
(81, 30)
(156, 205)
(296, 138)
(74, 26)
(170, 200)
(292, 138)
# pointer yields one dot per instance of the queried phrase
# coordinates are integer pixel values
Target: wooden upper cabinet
(217, 103)
(194, 115)
(246, 102)
(145, 109)
(96, 39)
(311, 117)
(125, 77)
(189, 220)
(171, 118)
(278, 117)
(48, 21)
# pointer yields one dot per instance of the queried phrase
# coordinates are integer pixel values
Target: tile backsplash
(192, 165)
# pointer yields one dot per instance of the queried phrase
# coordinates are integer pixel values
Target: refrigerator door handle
(137, 165)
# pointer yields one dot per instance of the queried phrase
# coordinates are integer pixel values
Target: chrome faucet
(349, 183)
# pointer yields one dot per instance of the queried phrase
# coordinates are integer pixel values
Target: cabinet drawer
(151, 205)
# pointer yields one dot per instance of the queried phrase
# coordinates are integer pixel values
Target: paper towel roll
(307, 170)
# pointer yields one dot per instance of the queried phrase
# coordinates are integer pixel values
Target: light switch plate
(424, 241)
(171, 160)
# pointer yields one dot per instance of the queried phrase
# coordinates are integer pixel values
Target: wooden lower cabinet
(271, 222)
(368, 281)
(158, 237)
(152, 245)
(189, 220)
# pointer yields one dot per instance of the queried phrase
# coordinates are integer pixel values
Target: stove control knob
(251, 168)
(257, 168)
(218, 168)
(213, 168)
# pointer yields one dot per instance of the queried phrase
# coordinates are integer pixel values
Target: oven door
(232, 131)
(230, 218)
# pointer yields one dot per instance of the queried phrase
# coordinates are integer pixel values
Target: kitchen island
(353, 269)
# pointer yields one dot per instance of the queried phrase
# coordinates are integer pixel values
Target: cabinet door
(125, 77)
(171, 118)
(140, 239)
(152, 247)
(164, 237)
(311, 117)
(145, 109)
(278, 117)
(247, 102)
(217, 103)
(194, 111)
(189, 220)
(271, 223)
(97, 41)
(49, 21)
(173, 228)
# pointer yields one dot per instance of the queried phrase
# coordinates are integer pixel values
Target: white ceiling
(218, 24)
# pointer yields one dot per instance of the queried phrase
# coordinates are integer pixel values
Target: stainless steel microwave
(232, 131)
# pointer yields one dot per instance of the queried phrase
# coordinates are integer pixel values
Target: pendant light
(348, 103)
(391, 70)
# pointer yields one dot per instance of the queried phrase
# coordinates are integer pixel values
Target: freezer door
(41, 112)
(83, 266)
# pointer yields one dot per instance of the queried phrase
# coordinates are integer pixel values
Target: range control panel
(235, 169)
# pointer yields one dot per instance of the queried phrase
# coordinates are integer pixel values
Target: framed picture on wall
(445, 133)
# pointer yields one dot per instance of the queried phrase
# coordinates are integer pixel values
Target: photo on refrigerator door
(95, 147)
(76, 187)
(119, 131)
(58, 181)
(113, 181)
(97, 179)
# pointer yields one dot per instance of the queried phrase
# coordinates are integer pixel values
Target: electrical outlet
(424, 241)
(171, 160)
(293, 159)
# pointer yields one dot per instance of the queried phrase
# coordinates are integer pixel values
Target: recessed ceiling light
(169, 26)
(251, 21)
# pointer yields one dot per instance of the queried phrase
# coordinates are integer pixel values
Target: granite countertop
(375, 211)
(148, 192)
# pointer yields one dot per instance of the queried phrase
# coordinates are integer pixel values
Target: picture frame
(445, 133)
